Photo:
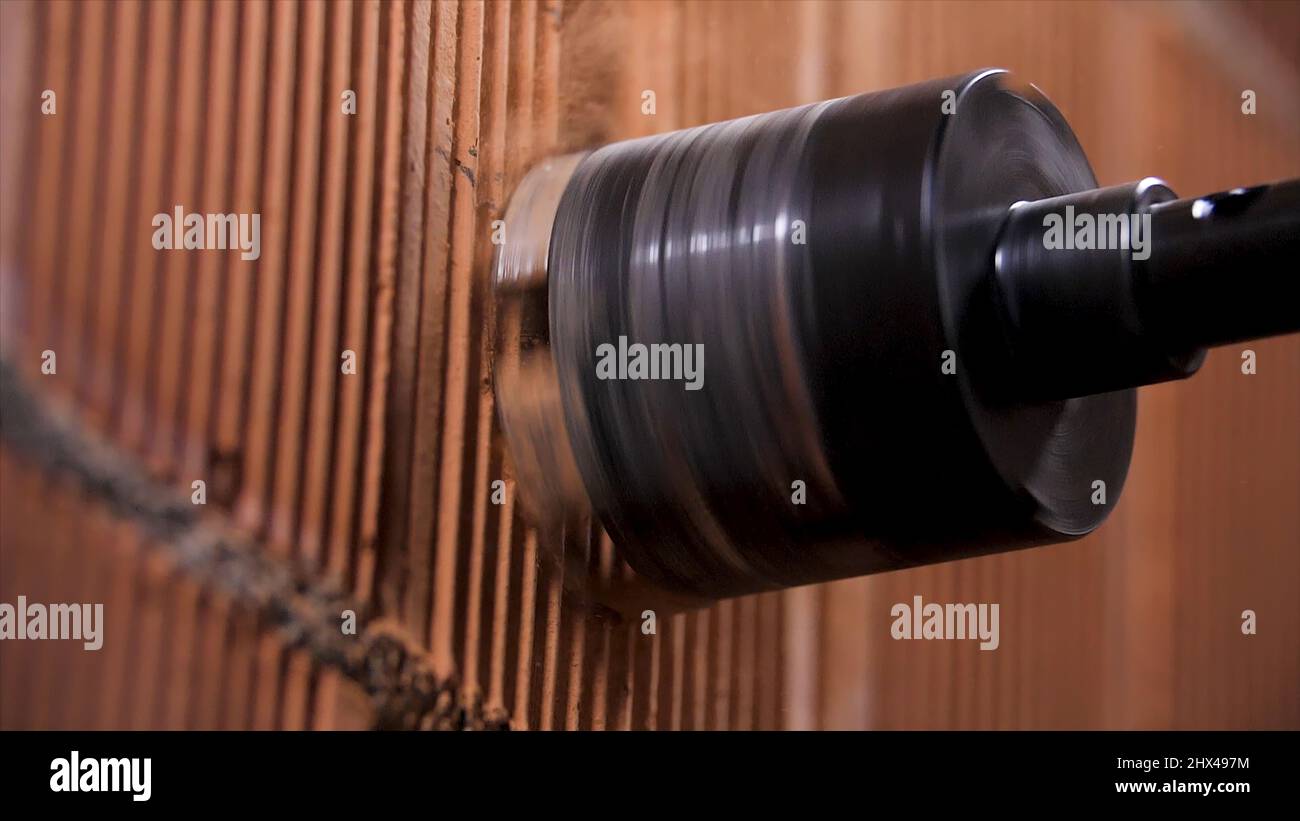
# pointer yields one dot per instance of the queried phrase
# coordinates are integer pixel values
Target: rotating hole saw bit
(865, 334)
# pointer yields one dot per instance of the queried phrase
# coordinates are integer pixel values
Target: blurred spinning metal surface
(896, 369)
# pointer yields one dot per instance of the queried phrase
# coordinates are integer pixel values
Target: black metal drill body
(899, 367)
